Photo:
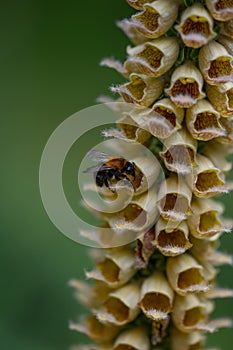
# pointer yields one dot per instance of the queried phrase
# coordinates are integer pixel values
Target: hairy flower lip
(156, 297)
(115, 64)
(192, 34)
(129, 29)
(171, 239)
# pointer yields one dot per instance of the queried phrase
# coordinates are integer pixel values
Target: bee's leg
(121, 176)
(106, 182)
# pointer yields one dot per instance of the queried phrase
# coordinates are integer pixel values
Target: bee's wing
(92, 169)
(98, 156)
(95, 169)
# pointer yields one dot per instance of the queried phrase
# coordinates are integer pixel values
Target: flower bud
(215, 63)
(221, 10)
(156, 18)
(153, 58)
(186, 85)
(196, 27)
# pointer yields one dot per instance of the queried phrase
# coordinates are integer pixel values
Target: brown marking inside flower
(193, 317)
(208, 221)
(220, 67)
(117, 308)
(136, 88)
(151, 55)
(149, 18)
(189, 278)
(207, 180)
(109, 270)
(174, 201)
(156, 301)
(167, 114)
(129, 130)
(196, 24)
(230, 98)
(180, 154)
(133, 213)
(175, 238)
(206, 120)
(223, 4)
(185, 86)
(124, 347)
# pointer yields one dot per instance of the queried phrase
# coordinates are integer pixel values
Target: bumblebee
(113, 169)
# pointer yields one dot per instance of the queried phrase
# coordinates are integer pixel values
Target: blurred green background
(50, 52)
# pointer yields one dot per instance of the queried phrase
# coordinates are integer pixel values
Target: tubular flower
(157, 289)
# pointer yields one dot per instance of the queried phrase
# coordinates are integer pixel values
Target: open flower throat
(157, 291)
